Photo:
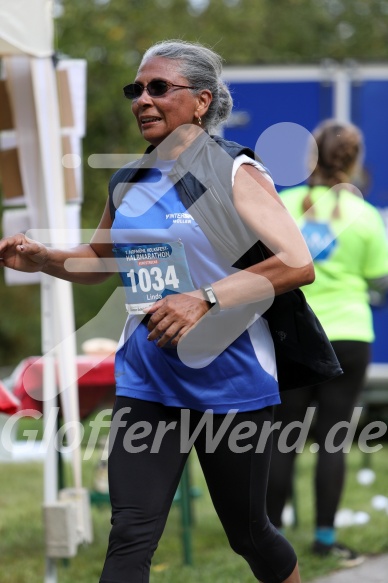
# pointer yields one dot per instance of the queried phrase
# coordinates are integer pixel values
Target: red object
(96, 383)
(9, 404)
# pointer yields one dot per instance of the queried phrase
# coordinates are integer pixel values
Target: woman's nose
(145, 98)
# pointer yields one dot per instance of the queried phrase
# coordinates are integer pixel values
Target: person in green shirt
(347, 239)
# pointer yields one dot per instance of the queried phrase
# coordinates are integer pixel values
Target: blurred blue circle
(289, 151)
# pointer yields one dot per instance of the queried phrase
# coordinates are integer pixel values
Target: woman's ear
(204, 99)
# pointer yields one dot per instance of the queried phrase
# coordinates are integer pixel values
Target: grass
(21, 533)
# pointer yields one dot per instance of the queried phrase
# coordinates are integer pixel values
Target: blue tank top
(243, 376)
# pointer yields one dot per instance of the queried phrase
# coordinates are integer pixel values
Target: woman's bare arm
(290, 266)
(88, 263)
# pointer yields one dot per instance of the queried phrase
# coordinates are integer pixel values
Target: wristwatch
(211, 298)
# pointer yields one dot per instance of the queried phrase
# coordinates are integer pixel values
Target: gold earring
(199, 120)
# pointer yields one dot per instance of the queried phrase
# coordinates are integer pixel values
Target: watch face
(211, 296)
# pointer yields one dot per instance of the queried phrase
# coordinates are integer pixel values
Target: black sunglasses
(155, 88)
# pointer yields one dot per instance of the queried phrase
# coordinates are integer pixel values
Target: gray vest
(203, 179)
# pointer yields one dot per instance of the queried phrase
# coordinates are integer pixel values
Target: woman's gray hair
(202, 67)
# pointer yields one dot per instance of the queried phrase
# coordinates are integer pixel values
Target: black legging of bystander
(334, 401)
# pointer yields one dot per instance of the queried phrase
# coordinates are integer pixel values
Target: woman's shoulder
(361, 205)
(293, 198)
(234, 148)
(294, 192)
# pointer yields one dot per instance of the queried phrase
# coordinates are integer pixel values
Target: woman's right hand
(22, 254)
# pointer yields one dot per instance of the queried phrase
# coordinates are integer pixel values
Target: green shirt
(347, 251)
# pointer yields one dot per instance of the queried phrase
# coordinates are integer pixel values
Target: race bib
(150, 271)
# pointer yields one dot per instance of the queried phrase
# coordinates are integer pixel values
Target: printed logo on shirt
(320, 240)
(179, 218)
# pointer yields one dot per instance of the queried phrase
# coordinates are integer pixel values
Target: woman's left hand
(174, 316)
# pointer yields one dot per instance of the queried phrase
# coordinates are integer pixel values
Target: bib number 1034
(152, 279)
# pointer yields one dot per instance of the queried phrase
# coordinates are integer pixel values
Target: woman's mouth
(149, 120)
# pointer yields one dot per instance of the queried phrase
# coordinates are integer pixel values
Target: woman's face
(157, 117)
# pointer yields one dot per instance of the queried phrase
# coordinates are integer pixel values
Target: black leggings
(335, 402)
(144, 474)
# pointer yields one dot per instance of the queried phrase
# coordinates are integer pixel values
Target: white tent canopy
(26, 27)
(26, 43)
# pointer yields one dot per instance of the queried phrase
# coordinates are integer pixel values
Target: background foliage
(112, 35)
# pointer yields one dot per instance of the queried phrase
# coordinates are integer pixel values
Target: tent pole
(49, 406)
